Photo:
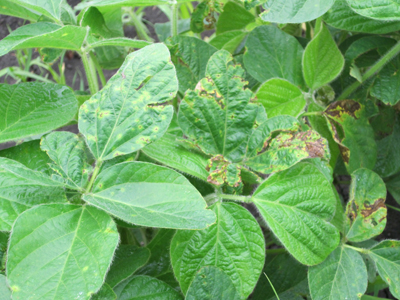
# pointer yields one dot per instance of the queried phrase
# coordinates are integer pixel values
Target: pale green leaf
(49, 8)
(22, 188)
(10, 8)
(128, 113)
(272, 53)
(387, 10)
(235, 244)
(239, 14)
(280, 97)
(296, 205)
(105, 293)
(322, 60)
(127, 260)
(150, 195)
(43, 34)
(294, 11)
(212, 283)
(60, 251)
(29, 109)
(5, 292)
(366, 208)
(145, 288)
(343, 275)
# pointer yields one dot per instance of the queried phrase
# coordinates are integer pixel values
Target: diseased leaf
(342, 275)
(233, 11)
(43, 34)
(387, 257)
(341, 16)
(150, 195)
(212, 283)
(10, 8)
(272, 53)
(322, 60)
(280, 97)
(129, 112)
(68, 152)
(204, 16)
(127, 260)
(366, 210)
(5, 292)
(22, 188)
(234, 244)
(29, 109)
(294, 11)
(105, 293)
(145, 288)
(296, 204)
(49, 8)
(387, 10)
(60, 251)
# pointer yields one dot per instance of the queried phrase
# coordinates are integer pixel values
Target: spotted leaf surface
(297, 204)
(234, 244)
(68, 152)
(21, 188)
(366, 210)
(131, 110)
(60, 251)
(150, 195)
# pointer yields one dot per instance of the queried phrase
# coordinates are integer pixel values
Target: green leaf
(10, 8)
(212, 283)
(343, 275)
(273, 53)
(287, 276)
(149, 195)
(5, 292)
(386, 84)
(60, 251)
(239, 14)
(169, 152)
(190, 56)
(322, 60)
(229, 40)
(393, 186)
(350, 128)
(105, 293)
(128, 113)
(387, 257)
(44, 34)
(68, 152)
(235, 244)
(119, 41)
(49, 8)
(121, 3)
(127, 260)
(366, 208)
(30, 155)
(204, 16)
(163, 30)
(22, 188)
(145, 288)
(280, 97)
(296, 205)
(297, 11)
(387, 10)
(341, 16)
(29, 109)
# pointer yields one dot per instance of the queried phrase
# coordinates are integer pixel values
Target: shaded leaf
(76, 246)
(296, 205)
(386, 84)
(150, 195)
(393, 186)
(387, 10)
(105, 293)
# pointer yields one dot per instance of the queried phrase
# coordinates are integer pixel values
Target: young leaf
(127, 260)
(29, 109)
(366, 208)
(129, 112)
(10, 8)
(68, 152)
(234, 244)
(145, 287)
(280, 97)
(22, 188)
(60, 251)
(149, 195)
(49, 8)
(341, 16)
(273, 53)
(343, 275)
(5, 292)
(297, 11)
(387, 10)
(296, 205)
(233, 11)
(105, 293)
(387, 257)
(43, 34)
(212, 283)
(322, 60)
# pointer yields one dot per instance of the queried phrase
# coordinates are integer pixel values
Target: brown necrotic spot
(371, 208)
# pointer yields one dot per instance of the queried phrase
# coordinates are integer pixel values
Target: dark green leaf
(10, 8)
(105, 293)
(121, 3)
(5, 292)
(163, 30)
(229, 40)
(393, 186)
(60, 251)
(386, 85)
(239, 14)
(387, 10)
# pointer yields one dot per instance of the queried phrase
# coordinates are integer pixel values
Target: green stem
(237, 198)
(98, 68)
(311, 113)
(90, 71)
(275, 251)
(364, 251)
(392, 207)
(174, 21)
(372, 71)
(94, 175)
(141, 31)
